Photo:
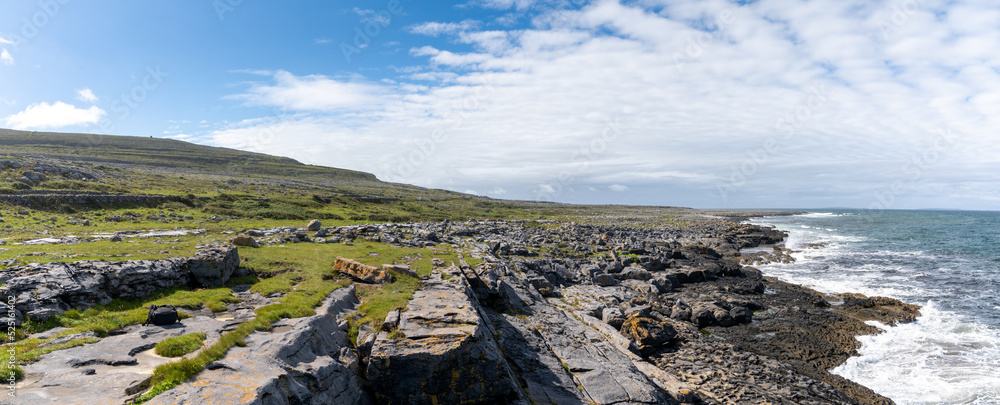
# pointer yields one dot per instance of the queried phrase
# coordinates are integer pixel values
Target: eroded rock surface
(43, 290)
(112, 371)
(442, 352)
(301, 361)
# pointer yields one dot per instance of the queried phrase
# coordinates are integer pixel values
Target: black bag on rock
(162, 315)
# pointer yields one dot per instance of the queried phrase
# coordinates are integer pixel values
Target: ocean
(946, 261)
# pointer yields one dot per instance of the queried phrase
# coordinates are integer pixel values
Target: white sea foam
(942, 358)
(939, 359)
(819, 215)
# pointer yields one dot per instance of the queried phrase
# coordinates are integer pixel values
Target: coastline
(810, 331)
(837, 337)
(578, 313)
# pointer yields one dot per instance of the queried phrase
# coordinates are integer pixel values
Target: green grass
(180, 345)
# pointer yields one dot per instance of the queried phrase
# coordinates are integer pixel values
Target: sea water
(946, 261)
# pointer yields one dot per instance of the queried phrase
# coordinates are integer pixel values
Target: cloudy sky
(704, 103)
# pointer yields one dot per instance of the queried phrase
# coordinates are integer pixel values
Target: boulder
(647, 333)
(443, 353)
(245, 240)
(642, 288)
(213, 265)
(641, 311)
(681, 311)
(613, 317)
(741, 315)
(361, 272)
(400, 268)
(664, 284)
(314, 226)
(605, 280)
(635, 273)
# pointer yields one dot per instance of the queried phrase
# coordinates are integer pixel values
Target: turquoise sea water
(946, 261)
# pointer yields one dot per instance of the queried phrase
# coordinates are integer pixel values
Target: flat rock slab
(446, 354)
(301, 361)
(107, 372)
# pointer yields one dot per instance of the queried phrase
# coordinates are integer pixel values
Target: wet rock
(888, 311)
(741, 315)
(361, 272)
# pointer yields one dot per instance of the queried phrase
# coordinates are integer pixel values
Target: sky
(699, 103)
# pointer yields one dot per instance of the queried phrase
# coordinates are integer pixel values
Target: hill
(157, 153)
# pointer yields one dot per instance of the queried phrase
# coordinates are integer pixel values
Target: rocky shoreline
(555, 313)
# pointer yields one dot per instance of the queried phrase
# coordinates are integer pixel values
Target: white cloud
(618, 188)
(383, 17)
(438, 28)
(6, 41)
(322, 41)
(58, 115)
(780, 102)
(311, 93)
(498, 191)
(5, 57)
(181, 137)
(86, 95)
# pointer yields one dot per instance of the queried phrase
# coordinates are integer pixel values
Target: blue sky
(710, 103)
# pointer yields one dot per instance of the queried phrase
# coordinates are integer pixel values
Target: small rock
(400, 268)
(605, 280)
(741, 314)
(117, 238)
(314, 225)
(245, 240)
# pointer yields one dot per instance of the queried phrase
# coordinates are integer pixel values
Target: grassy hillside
(163, 154)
